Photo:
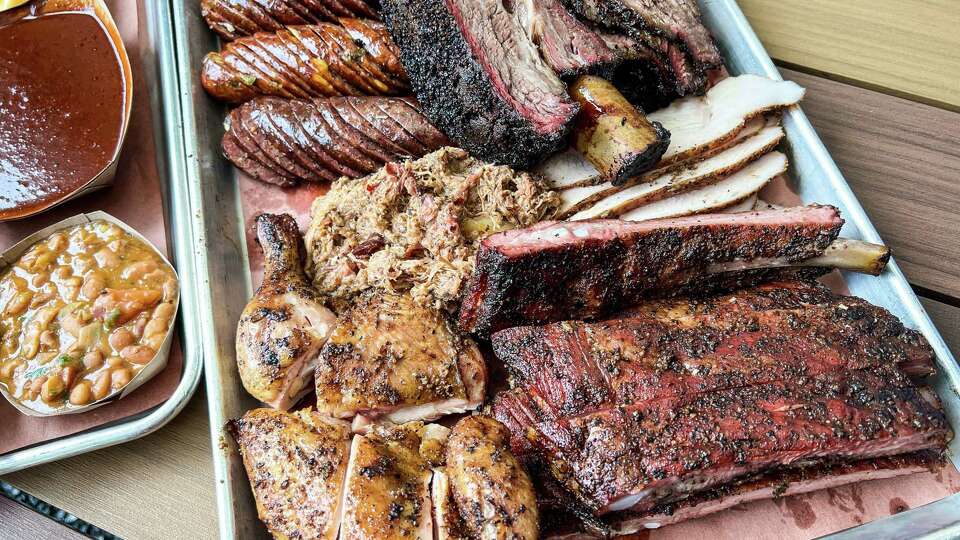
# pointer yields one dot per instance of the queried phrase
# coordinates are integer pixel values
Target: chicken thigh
(282, 329)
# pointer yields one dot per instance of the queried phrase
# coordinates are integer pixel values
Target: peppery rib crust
(561, 270)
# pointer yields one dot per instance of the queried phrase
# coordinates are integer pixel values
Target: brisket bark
(561, 270)
(480, 79)
(671, 30)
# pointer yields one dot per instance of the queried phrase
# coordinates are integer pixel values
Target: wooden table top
(883, 84)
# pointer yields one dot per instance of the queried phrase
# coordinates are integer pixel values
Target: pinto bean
(120, 378)
(81, 393)
(101, 387)
(52, 389)
(137, 354)
(92, 360)
(93, 285)
(138, 269)
(120, 338)
(156, 326)
(164, 310)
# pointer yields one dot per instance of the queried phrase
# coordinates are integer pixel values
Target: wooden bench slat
(908, 47)
(902, 159)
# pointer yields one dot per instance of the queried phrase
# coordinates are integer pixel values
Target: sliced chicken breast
(296, 463)
(492, 490)
(387, 492)
(391, 359)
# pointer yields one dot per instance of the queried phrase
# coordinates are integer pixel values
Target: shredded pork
(416, 225)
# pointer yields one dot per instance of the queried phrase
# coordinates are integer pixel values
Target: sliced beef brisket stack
(669, 34)
(480, 79)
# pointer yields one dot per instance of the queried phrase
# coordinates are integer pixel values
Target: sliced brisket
(568, 45)
(682, 48)
(571, 270)
(480, 79)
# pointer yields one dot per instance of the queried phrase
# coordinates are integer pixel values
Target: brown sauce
(61, 108)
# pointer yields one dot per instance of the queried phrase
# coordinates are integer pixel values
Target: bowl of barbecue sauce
(65, 99)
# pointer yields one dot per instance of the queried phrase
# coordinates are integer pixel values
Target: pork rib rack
(572, 270)
(675, 397)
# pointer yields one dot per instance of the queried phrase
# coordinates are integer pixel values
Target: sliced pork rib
(638, 456)
(771, 485)
(282, 141)
(480, 79)
(678, 396)
(564, 270)
(354, 57)
(389, 358)
(237, 18)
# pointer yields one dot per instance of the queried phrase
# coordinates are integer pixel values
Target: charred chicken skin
(296, 463)
(491, 489)
(285, 323)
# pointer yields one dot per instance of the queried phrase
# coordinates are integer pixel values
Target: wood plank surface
(18, 522)
(902, 159)
(908, 48)
(160, 486)
(947, 320)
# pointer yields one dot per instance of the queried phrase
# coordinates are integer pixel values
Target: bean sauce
(61, 108)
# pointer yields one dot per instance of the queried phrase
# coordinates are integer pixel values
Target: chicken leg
(285, 324)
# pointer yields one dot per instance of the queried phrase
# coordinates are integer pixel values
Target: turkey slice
(731, 190)
(705, 172)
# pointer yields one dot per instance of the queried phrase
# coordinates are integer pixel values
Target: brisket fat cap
(479, 77)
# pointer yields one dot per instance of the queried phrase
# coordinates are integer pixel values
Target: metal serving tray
(226, 284)
(158, 54)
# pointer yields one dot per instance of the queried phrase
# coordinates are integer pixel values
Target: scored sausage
(234, 19)
(282, 141)
(353, 58)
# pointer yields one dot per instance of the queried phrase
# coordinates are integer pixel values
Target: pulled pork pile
(416, 225)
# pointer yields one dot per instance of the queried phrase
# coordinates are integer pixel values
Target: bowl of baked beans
(87, 308)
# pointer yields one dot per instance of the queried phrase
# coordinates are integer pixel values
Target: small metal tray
(224, 271)
(158, 54)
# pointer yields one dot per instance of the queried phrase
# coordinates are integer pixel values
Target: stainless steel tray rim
(171, 139)
(745, 55)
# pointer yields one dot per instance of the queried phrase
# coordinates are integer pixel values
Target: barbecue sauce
(62, 95)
